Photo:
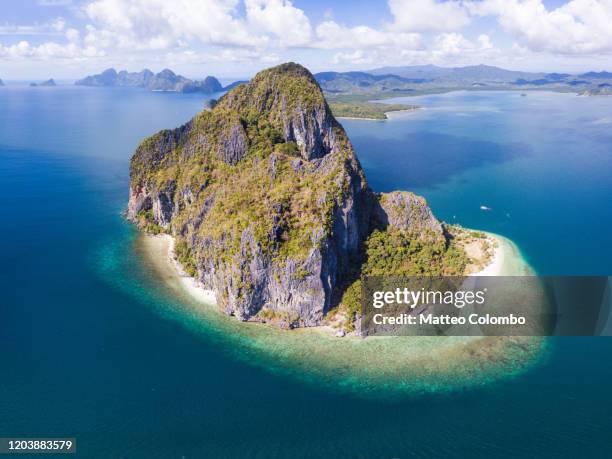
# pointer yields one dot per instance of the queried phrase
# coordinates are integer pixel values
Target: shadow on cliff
(425, 159)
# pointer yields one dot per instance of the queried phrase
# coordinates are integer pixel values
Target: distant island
(259, 209)
(234, 84)
(271, 211)
(350, 94)
(420, 79)
(602, 89)
(1, 82)
(50, 82)
(359, 94)
(358, 109)
(166, 80)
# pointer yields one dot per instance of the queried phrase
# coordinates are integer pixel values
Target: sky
(67, 39)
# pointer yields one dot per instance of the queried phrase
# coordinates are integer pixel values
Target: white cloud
(225, 55)
(160, 24)
(49, 50)
(428, 15)
(332, 35)
(58, 24)
(450, 44)
(444, 49)
(454, 47)
(73, 35)
(258, 31)
(243, 55)
(578, 27)
(485, 42)
(288, 24)
(54, 27)
(358, 57)
(54, 2)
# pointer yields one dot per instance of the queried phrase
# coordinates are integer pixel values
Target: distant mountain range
(381, 82)
(424, 78)
(606, 75)
(166, 80)
(456, 74)
(338, 82)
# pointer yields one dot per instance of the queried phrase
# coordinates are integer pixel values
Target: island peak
(270, 207)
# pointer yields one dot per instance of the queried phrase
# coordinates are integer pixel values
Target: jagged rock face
(305, 120)
(166, 80)
(266, 198)
(406, 211)
(265, 191)
(106, 78)
(140, 79)
(49, 83)
(234, 144)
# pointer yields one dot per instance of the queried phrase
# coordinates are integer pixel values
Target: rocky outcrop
(234, 143)
(209, 85)
(266, 198)
(106, 78)
(141, 79)
(49, 83)
(407, 212)
(166, 80)
(232, 85)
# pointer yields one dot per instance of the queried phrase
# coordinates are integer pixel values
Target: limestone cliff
(267, 200)
(166, 80)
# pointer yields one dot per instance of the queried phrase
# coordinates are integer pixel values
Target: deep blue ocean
(85, 353)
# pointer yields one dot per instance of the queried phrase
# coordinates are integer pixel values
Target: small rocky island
(271, 210)
(166, 80)
(48, 83)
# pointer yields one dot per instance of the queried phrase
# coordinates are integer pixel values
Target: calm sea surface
(86, 353)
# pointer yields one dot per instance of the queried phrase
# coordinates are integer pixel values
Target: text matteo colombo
(459, 299)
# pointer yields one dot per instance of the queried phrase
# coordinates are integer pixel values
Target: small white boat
(485, 208)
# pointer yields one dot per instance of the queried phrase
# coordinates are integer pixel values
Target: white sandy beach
(191, 285)
(358, 118)
(409, 363)
(496, 265)
(506, 261)
(389, 115)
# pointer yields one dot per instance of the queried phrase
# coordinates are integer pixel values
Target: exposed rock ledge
(267, 200)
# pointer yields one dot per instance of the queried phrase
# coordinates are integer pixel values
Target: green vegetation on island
(270, 208)
(366, 110)
(396, 252)
(393, 82)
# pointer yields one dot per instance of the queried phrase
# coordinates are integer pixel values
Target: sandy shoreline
(392, 112)
(357, 118)
(398, 363)
(506, 261)
(191, 285)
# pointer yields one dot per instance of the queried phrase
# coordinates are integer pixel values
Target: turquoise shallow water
(541, 163)
(93, 347)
